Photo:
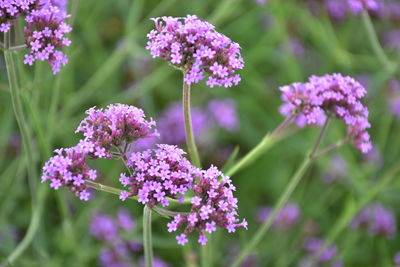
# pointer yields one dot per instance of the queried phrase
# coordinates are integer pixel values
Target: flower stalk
(147, 241)
(190, 141)
(259, 235)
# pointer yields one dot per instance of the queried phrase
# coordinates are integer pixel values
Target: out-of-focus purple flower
(125, 220)
(69, 168)
(396, 259)
(261, 2)
(171, 124)
(285, 219)
(45, 34)
(337, 169)
(115, 256)
(116, 126)
(158, 174)
(194, 46)
(213, 205)
(391, 10)
(391, 40)
(296, 47)
(103, 228)
(157, 262)
(377, 220)
(374, 157)
(356, 6)
(394, 97)
(224, 113)
(314, 246)
(61, 4)
(336, 9)
(329, 95)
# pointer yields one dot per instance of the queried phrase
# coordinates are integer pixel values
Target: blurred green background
(282, 42)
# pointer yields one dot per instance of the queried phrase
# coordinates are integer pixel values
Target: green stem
(259, 235)
(147, 242)
(374, 42)
(190, 141)
(260, 149)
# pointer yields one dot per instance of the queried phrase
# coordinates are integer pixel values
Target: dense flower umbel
(45, 34)
(118, 125)
(69, 168)
(330, 95)
(158, 174)
(377, 220)
(10, 10)
(194, 46)
(213, 205)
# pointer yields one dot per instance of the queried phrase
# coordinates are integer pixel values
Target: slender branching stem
(257, 151)
(147, 242)
(283, 199)
(190, 141)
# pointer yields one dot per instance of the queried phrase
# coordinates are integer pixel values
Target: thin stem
(257, 151)
(374, 42)
(259, 235)
(147, 242)
(190, 141)
(17, 47)
(331, 147)
(319, 138)
(123, 158)
(283, 199)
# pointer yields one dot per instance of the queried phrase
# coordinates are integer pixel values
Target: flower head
(69, 169)
(194, 46)
(356, 6)
(45, 34)
(286, 218)
(103, 228)
(224, 113)
(158, 174)
(377, 220)
(213, 205)
(10, 10)
(314, 245)
(115, 126)
(329, 95)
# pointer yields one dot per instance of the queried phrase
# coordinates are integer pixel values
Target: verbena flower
(61, 4)
(118, 125)
(194, 46)
(69, 169)
(396, 259)
(286, 218)
(223, 111)
(103, 228)
(336, 9)
(356, 6)
(213, 205)
(158, 174)
(329, 95)
(11, 10)
(45, 34)
(314, 245)
(337, 169)
(377, 220)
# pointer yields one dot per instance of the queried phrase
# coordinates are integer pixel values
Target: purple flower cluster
(396, 259)
(194, 46)
(377, 220)
(69, 168)
(329, 95)
(44, 34)
(213, 205)
(394, 97)
(286, 218)
(11, 10)
(337, 170)
(118, 125)
(313, 247)
(223, 112)
(158, 174)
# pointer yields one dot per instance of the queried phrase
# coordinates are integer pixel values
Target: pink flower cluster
(10, 10)
(117, 125)
(356, 6)
(329, 95)
(44, 34)
(194, 46)
(69, 169)
(213, 205)
(157, 174)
